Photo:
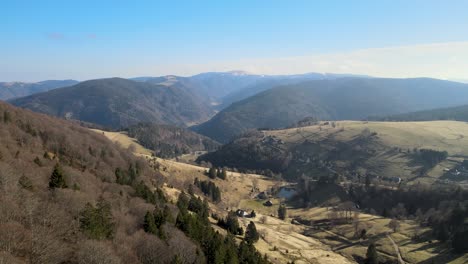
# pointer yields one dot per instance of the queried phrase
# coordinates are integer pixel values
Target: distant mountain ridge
(457, 113)
(335, 99)
(225, 88)
(118, 102)
(212, 85)
(11, 90)
(270, 81)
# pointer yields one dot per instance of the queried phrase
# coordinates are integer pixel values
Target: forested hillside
(340, 99)
(459, 113)
(118, 103)
(170, 141)
(69, 195)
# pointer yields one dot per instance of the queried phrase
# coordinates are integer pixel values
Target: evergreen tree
(223, 174)
(149, 224)
(176, 260)
(442, 233)
(168, 214)
(282, 212)
(97, 222)
(57, 179)
(372, 256)
(212, 173)
(6, 117)
(190, 189)
(251, 234)
(183, 202)
(460, 242)
(232, 224)
(215, 248)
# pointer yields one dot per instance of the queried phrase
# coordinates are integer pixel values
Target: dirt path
(397, 250)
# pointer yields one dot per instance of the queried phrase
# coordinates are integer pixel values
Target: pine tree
(232, 224)
(149, 224)
(97, 222)
(223, 174)
(190, 190)
(57, 179)
(212, 173)
(168, 214)
(442, 233)
(176, 260)
(372, 256)
(282, 212)
(460, 242)
(183, 202)
(251, 234)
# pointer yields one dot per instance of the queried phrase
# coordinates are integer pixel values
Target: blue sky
(93, 39)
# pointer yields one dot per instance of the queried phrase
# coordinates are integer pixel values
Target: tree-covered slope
(339, 99)
(69, 195)
(459, 113)
(119, 103)
(169, 141)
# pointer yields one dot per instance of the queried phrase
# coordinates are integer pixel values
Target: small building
(268, 203)
(242, 213)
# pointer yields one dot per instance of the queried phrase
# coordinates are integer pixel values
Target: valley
(297, 237)
(234, 132)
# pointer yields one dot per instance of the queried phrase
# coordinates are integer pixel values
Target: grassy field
(125, 141)
(341, 238)
(393, 143)
(451, 136)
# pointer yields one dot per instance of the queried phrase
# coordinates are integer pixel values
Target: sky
(83, 39)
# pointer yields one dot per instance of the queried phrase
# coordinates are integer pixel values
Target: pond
(287, 192)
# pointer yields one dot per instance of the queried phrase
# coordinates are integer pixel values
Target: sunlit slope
(451, 136)
(348, 149)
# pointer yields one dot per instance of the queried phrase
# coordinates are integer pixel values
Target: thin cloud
(91, 36)
(55, 36)
(439, 60)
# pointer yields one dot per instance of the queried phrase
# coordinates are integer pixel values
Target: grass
(450, 136)
(341, 238)
(125, 141)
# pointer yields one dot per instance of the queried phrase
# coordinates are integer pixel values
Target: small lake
(287, 192)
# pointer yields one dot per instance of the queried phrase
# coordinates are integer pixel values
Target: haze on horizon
(87, 40)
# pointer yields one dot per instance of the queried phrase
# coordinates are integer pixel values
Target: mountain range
(11, 90)
(244, 101)
(334, 99)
